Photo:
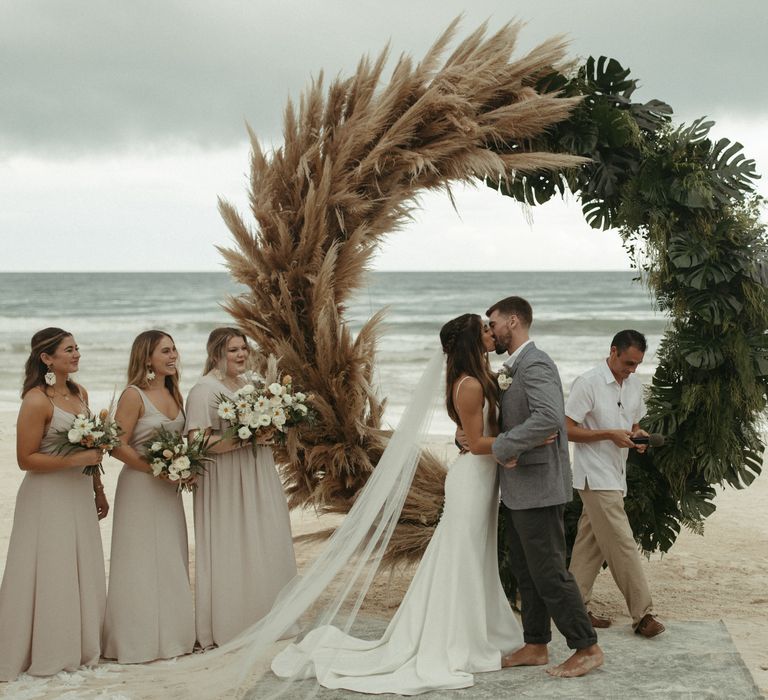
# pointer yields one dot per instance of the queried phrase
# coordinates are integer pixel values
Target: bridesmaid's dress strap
(44, 393)
(144, 400)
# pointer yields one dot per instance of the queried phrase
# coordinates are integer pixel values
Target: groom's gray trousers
(547, 589)
(535, 492)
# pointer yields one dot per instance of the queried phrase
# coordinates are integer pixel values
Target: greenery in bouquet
(178, 459)
(88, 432)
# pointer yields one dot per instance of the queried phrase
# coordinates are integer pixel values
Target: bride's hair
(465, 353)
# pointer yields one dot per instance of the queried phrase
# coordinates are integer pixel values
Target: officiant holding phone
(603, 413)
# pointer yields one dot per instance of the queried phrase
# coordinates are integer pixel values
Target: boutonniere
(504, 378)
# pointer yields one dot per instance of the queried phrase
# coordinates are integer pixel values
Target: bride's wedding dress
(454, 620)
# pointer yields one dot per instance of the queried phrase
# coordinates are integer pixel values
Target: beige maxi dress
(149, 604)
(243, 546)
(54, 591)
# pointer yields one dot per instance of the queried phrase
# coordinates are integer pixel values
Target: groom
(535, 485)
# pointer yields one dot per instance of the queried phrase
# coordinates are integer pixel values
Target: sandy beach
(721, 575)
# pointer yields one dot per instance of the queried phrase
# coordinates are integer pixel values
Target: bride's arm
(469, 406)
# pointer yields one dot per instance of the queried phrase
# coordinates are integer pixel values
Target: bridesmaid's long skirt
(149, 605)
(53, 593)
(243, 546)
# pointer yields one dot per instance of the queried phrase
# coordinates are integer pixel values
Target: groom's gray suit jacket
(532, 409)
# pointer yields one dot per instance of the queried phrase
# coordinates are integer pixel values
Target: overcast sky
(121, 122)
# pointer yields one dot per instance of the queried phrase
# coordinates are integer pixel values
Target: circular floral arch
(356, 155)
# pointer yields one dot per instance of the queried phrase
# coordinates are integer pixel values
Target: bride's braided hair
(462, 343)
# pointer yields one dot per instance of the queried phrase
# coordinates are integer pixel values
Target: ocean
(575, 316)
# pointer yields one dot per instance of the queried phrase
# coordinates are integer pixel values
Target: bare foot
(528, 655)
(581, 662)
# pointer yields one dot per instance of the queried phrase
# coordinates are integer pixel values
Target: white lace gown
(455, 619)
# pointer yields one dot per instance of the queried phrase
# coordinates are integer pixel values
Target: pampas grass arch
(354, 158)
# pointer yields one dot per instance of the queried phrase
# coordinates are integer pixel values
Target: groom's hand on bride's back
(548, 441)
(460, 439)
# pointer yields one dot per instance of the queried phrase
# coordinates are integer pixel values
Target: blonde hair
(144, 345)
(216, 347)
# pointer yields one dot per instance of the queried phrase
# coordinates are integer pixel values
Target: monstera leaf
(607, 76)
(597, 212)
(697, 132)
(652, 115)
(731, 172)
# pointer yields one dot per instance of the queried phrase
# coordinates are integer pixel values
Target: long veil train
(332, 589)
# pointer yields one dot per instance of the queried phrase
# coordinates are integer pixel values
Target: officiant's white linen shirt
(598, 402)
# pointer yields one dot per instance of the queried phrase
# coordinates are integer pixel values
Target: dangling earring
(150, 374)
(50, 377)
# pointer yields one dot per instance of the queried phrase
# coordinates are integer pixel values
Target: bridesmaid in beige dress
(243, 546)
(53, 592)
(149, 604)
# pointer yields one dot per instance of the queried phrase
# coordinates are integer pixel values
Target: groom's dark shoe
(649, 626)
(599, 622)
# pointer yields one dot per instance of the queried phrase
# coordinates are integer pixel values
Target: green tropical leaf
(731, 172)
(684, 252)
(652, 115)
(597, 213)
(609, 77)
(697, 132)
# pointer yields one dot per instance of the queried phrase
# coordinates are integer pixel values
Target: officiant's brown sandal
(599, 622)
(649, 626)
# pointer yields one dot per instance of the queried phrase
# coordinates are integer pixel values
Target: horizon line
(225, 272)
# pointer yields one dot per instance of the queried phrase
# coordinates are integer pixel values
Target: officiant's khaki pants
(604, 534)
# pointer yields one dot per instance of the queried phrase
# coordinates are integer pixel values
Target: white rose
(276, 401)
(301, 408)
(300, 397)
(155, 447)
(276, 389)
(75, 435)
(278, 418)
(244, 433)
(288, 399)
(245, 417)
(173, 476)
(255, 420)
(264, 419)
(246, 389)
(157, 467)
(181, 463)
(504, 380)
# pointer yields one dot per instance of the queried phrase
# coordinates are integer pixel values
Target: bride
(455, 619)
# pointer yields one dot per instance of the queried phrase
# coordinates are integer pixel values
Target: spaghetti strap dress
(149, 604)
(53, 593)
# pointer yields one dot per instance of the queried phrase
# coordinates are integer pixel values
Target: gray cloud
(88, 76)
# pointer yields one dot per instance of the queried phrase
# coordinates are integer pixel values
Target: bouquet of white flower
(88, 432)
(176, 458)
(264, 411)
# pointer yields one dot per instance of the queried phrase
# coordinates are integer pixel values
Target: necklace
(67, 395)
